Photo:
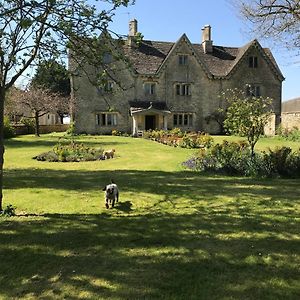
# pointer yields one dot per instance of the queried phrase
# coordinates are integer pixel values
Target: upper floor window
(107, 119)
(149, 88)
(107, 58)
(253, 62)
(183, 89)
(182, 59)
(253, 90)
(106, 87)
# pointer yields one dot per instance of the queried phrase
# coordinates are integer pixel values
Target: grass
(175, 234)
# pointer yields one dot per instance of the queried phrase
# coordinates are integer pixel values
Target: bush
(9, 211)
(29, 123)
(289, 135)
(71, 130)
(8, 129)
(71, 152)
(236, 159)
(176, 137)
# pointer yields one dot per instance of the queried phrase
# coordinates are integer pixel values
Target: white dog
(111, 194)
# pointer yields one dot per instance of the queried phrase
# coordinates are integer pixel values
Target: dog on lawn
(109, 153)
(111, 194)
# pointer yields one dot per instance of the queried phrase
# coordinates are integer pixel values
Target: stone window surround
(253, 90)
(182, 89)
(183, 119)
(106, 119)
(107, 87)
(253, 62)
(183, 59)
(149, 88)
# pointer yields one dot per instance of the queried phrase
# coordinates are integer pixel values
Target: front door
(150, 122)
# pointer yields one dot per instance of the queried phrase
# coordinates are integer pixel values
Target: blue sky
(167, 20)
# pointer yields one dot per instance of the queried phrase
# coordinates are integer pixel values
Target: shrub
(71, 130)
(290, 135)
(9, 211)
(8, 129)
(29, 123)
(71, 152)
(188, 142)
(236, 159)
(204, 140)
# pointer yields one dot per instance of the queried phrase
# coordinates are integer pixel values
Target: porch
(148, 115)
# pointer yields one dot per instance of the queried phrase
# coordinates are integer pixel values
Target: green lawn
(175, 234)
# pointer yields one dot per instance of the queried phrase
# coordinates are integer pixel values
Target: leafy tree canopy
(246, 116)
(54, 76)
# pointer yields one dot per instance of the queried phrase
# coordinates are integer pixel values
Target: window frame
(253, 62)
(253, 90)
(151, 90)
(183, 119)
(183, 59)
(183, 89)
(107, 119)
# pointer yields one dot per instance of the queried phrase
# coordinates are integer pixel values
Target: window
(253, 90)
(107, 58)
(106, 119)
(182, 59)
(183, 89)
(253, 63)
(183, 119)
(106, 87)
(149, 88)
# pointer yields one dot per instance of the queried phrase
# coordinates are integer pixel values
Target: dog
(111, 194)
(109, 153)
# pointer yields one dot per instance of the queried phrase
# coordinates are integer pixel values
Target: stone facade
(165, 85)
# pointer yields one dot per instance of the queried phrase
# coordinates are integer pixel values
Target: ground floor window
(107, 119)
(183, 119)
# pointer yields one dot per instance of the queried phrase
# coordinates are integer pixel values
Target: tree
(246, 116)
(37, 101)
(35, 29)
(53, 75)
(279, 19)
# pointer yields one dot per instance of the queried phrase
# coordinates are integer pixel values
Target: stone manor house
(163, 85)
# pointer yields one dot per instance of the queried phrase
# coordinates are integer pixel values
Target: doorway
(150, 122)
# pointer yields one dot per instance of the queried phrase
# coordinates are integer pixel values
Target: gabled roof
(150, 56)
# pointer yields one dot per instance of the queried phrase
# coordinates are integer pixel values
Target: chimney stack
(207, 43)
(133, 24)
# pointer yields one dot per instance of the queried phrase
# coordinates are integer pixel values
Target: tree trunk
(37, 124)
(2, 99)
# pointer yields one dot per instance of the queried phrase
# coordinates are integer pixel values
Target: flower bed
(177, 138)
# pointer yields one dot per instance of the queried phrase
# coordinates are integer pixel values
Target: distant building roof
(292, 105)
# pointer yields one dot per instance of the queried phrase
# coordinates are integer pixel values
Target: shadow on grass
(196, 256)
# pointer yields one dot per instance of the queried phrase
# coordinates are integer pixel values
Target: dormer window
(182, 59)
(149, 88)
(253, 62)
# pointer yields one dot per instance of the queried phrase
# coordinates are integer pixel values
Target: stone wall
(289, 120)
(22, 129)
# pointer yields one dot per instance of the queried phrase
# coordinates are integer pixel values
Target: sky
(167, 20)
